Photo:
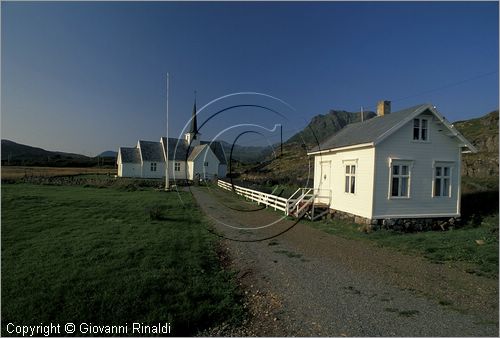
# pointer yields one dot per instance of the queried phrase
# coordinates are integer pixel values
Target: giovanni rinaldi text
(86, 328)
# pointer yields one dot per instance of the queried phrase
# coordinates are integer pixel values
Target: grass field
(15, 172)
(110, 257)
(458, 245)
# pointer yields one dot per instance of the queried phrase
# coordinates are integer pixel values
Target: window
(177, 166)
(442, 179)
(420, 130)
(400, 180)
(206, 164)
(350, 178)
(153, 166)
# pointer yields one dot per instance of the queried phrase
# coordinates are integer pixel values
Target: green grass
(101, 256)
(437, 246)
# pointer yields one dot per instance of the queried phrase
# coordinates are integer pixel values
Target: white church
(188, 159)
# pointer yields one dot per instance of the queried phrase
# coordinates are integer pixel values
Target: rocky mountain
(322, 126)
(483, 134)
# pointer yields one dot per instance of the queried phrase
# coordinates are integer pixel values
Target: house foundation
(398, 224)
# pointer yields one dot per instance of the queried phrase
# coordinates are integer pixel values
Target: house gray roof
(366, 132)
(177, 149)
(151, 151)
(218, 150)
(129, 155)
(182, 154)
(196, 151)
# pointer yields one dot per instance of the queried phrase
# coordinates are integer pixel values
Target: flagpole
(167, 183)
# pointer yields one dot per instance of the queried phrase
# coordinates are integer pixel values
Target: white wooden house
(397, 165)
(186, 159)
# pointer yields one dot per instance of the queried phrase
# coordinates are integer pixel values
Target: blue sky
(87, 77)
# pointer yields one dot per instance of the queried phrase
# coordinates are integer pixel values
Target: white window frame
(153, 166)
(400, 176)
(205, 164)
(177, 166)
(420, 129)
(442, 164)
(350, 177)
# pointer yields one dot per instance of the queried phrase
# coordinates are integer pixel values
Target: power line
(445, 86)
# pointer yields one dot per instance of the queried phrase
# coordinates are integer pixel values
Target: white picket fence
(276, 202)
(290, 206)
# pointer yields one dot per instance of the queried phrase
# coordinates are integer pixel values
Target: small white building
(188, 158)
(397, 165)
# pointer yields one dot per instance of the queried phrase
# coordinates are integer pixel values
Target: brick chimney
(383, 108)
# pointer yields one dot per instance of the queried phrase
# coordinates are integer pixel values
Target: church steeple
(192, 136)
(194, 124)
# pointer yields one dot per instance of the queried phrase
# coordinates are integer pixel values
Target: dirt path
(308, 283)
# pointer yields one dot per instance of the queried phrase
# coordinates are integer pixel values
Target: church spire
(192, 136)
(194, 124)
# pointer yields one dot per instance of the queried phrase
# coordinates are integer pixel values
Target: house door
(325, 175)
(325, 181)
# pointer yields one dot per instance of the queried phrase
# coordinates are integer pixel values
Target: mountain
(108, 153)
(483, 134)
(322, 126)
(246, 154)
(294, 166)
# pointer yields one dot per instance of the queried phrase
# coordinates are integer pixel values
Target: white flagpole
(167, 183)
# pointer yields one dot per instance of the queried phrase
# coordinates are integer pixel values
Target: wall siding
(197, 165)
(177, 175)
(400, 145)
(129, 170)
(359, 203)
(222, 171)
(147, 173)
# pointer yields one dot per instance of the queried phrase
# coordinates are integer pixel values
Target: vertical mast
(167, 186)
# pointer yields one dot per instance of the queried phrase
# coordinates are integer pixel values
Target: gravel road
(305, 282)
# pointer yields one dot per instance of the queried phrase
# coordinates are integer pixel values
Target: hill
(17, 154)
(20, 154)
(108, 153)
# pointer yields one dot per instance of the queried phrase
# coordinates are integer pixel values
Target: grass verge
(110, 257)
(474, 244)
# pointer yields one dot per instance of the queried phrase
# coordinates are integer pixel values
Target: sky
(86, 77)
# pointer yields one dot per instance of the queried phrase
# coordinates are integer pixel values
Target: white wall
(129, 170)
(197, 165)
(421, 203)
(177, 175)
(359, 203)
(222, 170)
(147, 173)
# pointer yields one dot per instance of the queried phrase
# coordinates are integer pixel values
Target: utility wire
(374, 107)
(445, 86)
